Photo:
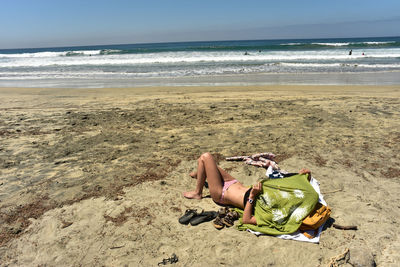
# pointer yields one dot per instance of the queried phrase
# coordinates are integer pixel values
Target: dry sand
(93, 177)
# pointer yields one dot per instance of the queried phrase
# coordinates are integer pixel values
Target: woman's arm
(248, 218)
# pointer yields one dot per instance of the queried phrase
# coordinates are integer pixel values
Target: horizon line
(203, 41)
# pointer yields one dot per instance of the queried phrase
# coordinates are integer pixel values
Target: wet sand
(95, 176)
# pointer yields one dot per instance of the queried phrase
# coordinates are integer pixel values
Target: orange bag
(315, 219)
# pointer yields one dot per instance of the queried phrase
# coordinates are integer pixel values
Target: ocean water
(372, 61)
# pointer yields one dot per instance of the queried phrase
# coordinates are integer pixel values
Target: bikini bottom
(226, 186)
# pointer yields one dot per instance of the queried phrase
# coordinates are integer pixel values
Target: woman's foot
(192, 195)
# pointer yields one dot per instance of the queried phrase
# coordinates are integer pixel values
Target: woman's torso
(234, 195)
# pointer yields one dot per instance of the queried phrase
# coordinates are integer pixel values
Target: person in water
(225, 189)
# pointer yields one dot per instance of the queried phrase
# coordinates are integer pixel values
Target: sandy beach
(94, 177)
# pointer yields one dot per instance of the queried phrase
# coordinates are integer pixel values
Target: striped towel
(263, 160)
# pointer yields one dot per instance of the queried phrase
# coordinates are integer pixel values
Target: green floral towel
(282, 205)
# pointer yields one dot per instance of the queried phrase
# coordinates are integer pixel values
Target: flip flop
(205, 216)
(189, 214)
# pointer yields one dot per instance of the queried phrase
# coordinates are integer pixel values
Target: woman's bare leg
(225, 176)
(200, 180)
(207, 168)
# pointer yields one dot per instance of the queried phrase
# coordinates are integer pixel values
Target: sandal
(172, 259)
(223, 211)
(218, 224)
(230, 218)
(205, 216)
(189, 214)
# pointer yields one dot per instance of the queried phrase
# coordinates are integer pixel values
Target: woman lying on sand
(225, 189)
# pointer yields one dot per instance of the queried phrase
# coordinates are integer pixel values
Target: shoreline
(250, 79)
(160, 92)
(95, 176)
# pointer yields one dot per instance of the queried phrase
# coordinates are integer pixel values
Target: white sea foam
(376, 43)
(115, 64)
(33, 55)
(50, 54)
(332, 44)
(339, 44)
(341, 65)
(354, 43)
(110, 51)
(82, 52)
(48, 58)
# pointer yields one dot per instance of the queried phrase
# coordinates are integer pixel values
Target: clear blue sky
(42, 23)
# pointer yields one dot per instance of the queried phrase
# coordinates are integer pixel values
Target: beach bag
(315, 219)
